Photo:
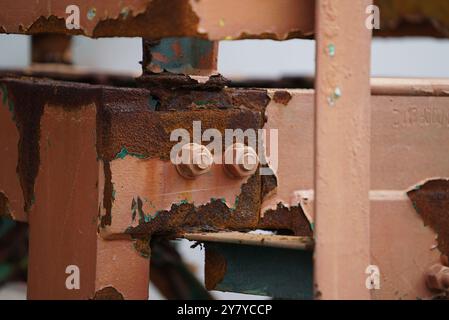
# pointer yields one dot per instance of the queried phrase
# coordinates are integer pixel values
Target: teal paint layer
(274, 272)
(124, 152)
(180, 55)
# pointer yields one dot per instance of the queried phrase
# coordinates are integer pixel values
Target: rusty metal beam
(213, 19)
(264, 240)
(342, 149)
(51, 48)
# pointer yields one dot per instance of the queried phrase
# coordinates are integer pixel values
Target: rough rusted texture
(51, 48)
(214, 267)
(157, 19)
(131, 122)
(153, 23)
(213, 216)
(431, 201)
(127, 120)
(206, 19)
(291, 220)
(142, 246)
(269, 184)
(413, 17)
(105, 220)
(282, 97)
(28, 97)
(147, 19)
(190, 56)
(108, 293)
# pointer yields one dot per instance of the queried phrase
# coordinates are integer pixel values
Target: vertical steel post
(51, 48)
(342, 149)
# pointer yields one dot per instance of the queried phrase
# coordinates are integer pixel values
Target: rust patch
(108, 293)
(51, 24)
(106, 219)
(431, 201)
(413, 17)
(154, 22)
(142, 246)
(282, 97)
(213, 216)
(133, 124)
(269, 184)
(215, 267)
(27, 98)
(290, 219)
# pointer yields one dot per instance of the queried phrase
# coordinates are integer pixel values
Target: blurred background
(254, 59)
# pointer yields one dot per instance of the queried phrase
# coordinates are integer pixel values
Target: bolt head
(194, 160)
(240, 161)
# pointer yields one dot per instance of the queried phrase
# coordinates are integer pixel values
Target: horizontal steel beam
(212, 19)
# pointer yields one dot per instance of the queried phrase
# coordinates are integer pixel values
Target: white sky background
(406, 57)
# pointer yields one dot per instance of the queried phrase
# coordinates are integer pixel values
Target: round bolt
(240, 161)
(194, 160)
(437, 277)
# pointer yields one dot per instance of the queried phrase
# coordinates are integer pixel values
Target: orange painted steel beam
(211, 19)
(63, 222)
(342, 149)
(155, 19)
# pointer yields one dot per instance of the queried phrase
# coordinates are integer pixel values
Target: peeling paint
(431, 201)
(282, 97)
(108, 293)
(187, 217)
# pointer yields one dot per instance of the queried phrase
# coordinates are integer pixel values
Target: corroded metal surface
(126, 140)
(431, 201)
(409, 144)
(155, 19)
(414, 17)
(213, 19)
(132, 133)
(12, 202)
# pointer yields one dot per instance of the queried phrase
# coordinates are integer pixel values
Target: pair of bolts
(195, 159)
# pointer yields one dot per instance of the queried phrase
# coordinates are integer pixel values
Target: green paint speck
(331, 50)
(91, 13)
